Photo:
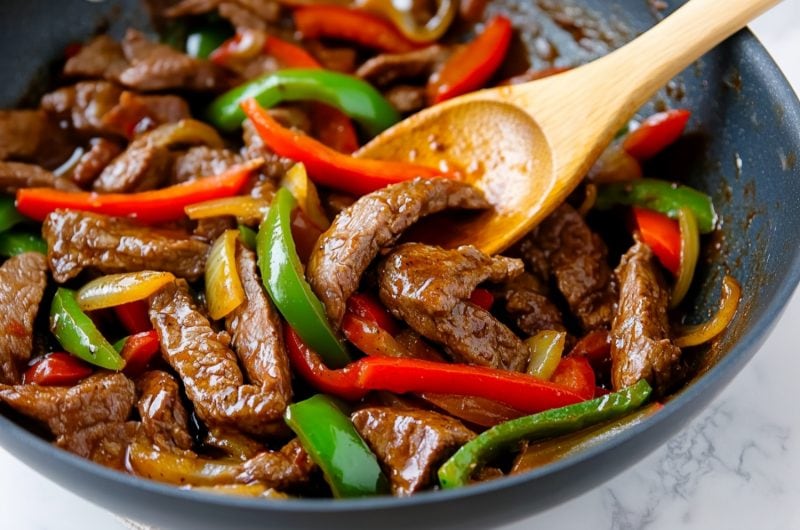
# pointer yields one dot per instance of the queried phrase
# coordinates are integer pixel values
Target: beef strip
(143, 166)
(17, 175)
(564, 246)
(406, 98)
(525, 301)
(436, 306)
(100, 58)
(202, 161)
(88, 419)
(164, 418)
(410, 443)
(22, 282)
(241, 13)
(136, 113)
(256, 336)
(79, 240)
(31, 136)
(385, 69)
(640, 345)
(472, 10)
(209, 368)
(210, 228)
(372, 223)
(94, 161)
(155, 66)
(275, 166)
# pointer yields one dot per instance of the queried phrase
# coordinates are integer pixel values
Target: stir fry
(205, 285)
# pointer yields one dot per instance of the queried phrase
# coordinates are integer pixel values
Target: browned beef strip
(17, 175)
(372, 223)
(279, 469)
(202, 161)
(410, 443)
(31, 136)
(472, 10)
(22, 282)
(525, 301)
(406, 98)
(136, 113)
(337, 58)
(88, 419)
(208, 367)
(640, 345)
(79, 240)
(436, 305)
(241, 13)
(576, 258)
(142, 166)
(100, 58)
(84, 105)
(385, 69)
(155, 66)
(164, 418)
(210, 228)
(275, 166)
(94, 161)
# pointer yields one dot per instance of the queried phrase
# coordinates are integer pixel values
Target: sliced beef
(155, 66)
(210, 228)
(79, 240)
(142, 166)
(100, 58)
(135, 113)
(472, 10)
(22, 282)
(164, 418)
(88, 419)
(100, 154)
(17, 175)
(640, 345)
(253, 14)
(275, 166)
(337, 58)
(406, 98)
(386, 69)
(410, 443)
(525, 301)
(372, 223)
(209, 368)
(31, 136)
(256, 335)
(437, 306)
(202, 161)
(564, 247)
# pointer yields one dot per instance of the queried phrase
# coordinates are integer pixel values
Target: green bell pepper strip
(247, 236)
(9, 216)
(349, 466)
(354, 97)
(282, 274)
(456, 471)
(13, 243)
(78, 335)
(201, 43)
(661, 196)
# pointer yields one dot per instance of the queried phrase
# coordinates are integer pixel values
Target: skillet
(746, 123)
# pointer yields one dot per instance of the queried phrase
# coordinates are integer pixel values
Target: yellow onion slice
(589, 199)
(690, 250)
(701, 333)
(247, 210)
(147, 460)
(615, 165)
(546, 348)
(224, 291)
(297, 182)
(118, 289)
(242, 490)
(184, 132)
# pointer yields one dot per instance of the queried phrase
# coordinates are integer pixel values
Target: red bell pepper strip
(57, 369)
(367, 307)
(523, 392)
(482, 298)
(471, 67)
(596, 347)
(370, 338)
(352, 25)
(134, 317)
(662, 235)
(151, 207)
(138, 351)
(328, 167)
(655, 133)
(576, 373)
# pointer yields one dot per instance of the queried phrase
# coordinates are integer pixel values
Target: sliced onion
(146, 460)
(546, 348)
(589, 199)
(297, 182)
(247, 210)
(184, 132)
(404, 19)
(242, 490)
(690, 250)
(118, 289)
(615, 165)
(701, 333)
(224, 291)
(70, 163)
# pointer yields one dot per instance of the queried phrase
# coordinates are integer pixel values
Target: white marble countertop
(735, 467)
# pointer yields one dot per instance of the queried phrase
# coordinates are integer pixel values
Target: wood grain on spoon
(528, 146)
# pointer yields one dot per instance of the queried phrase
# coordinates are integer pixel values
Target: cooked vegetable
(482, 298)
(157, 206)
(615, 165)
(546, 348)
(56, 369)
(119, 289)
(690, 250)
(655, 133)
(282, 274)
(202, 43)
(13, 243)
(404, 19)
(662, 235)
(701, 333)
(575, 373)
(9, 216)
(247, 236)
(356, 98)
(78, 335)
(133, 317)
(349, 466)
(661, 196)
(328, 167)
(224, 291)
(305, 193)
(456, 472)
(247, 210)
(138, 350)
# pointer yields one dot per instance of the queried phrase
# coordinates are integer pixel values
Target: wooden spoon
(528, 146)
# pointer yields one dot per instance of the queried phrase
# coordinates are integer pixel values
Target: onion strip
(701, 333)
(117, 289)
(247, 210)
(590, 197)
(546, 348)
(690, 250)
(224, 291)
